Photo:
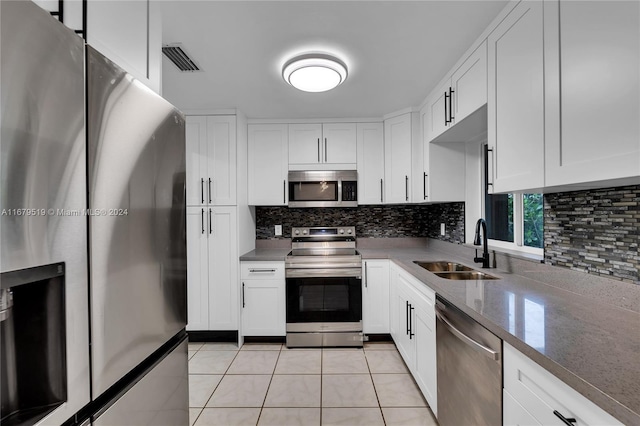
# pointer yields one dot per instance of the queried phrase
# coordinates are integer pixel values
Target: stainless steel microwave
(321, 188)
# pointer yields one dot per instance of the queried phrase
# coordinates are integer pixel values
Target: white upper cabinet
(322, 146)
(196, 160)
(469, 84)
(443, 177)
(438, 111)
(592, 101)
(129, 33)
(268, 165)
(370, 137)
(515, 132)
(463, 92)
(339, 143)
(221, 146)
(211, 160)
(305, 146)
(398, 155)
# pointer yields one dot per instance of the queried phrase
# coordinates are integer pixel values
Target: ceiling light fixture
(314, 72)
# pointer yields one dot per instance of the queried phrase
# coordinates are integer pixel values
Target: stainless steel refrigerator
(137, 248)
(99, 158)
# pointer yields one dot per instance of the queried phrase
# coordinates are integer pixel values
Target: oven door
(320, 300)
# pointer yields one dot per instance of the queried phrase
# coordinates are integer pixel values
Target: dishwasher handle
(466, 339)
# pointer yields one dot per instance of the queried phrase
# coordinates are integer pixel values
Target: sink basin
(466, 275)
(454, 271)
(443, 266)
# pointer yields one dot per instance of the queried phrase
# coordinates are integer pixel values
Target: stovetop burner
(325, 247)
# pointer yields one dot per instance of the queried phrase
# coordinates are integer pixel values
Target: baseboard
(213, 336)
(383, 337)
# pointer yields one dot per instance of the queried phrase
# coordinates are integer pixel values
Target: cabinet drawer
(541, 393)
(264, 270)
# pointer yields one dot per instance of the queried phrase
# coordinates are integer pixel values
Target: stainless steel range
(323, 286)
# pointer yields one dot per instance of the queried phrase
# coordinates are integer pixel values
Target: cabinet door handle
(566, 420)
(259, 270)
(380, 190)
(202, 220)
(365, 274)
(243, 295)
(411, 333)
(424, 184)
(210, 228)
(451, 117)
(209, 190)
(202, 189)
(406, 309)
(406, 188)
(284, 192)
(318, 150)
(488, 174)
(446, 120)
(325, 150)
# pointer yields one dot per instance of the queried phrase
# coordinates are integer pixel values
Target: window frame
(518, 217)
(518, 230)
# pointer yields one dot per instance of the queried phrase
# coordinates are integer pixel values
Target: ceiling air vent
(178, 56)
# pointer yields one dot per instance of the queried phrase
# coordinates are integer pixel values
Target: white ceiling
(396, 52)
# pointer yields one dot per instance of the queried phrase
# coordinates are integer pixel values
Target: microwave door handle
(325, 150)
(339, 191)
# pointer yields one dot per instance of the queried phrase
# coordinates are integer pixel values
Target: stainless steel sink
(443, 266)
(454, 271)
(466, 275)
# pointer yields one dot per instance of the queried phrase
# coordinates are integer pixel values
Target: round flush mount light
(314, 72)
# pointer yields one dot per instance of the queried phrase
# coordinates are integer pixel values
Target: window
(514, 220)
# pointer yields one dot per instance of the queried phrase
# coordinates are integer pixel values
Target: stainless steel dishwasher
(469, 369)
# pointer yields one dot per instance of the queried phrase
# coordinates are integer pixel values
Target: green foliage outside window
(532, 211)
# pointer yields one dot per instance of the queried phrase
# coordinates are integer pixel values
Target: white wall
(473, 189)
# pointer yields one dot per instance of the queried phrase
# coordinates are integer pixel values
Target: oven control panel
(318, 232)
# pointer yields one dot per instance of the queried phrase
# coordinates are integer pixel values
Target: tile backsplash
(595, 231)
(393, 221)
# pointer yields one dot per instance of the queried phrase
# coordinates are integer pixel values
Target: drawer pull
(262, 270)
(567, 421)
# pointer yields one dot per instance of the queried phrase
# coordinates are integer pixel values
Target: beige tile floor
(269, 384)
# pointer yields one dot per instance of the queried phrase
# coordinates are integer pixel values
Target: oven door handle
(324, 272)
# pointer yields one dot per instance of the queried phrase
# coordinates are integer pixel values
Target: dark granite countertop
(583, 329)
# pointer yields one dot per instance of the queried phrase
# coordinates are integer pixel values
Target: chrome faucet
(476, 242)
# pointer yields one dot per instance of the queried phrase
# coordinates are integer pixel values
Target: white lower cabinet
(212, 269)
(263, 301)
(514, 414)
(414, 330)
(375, 296)
(535, 396)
